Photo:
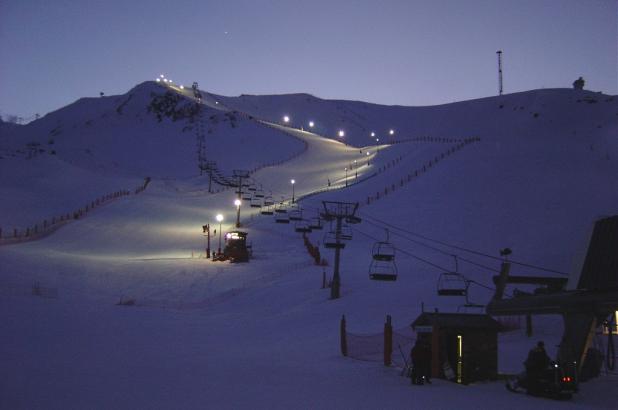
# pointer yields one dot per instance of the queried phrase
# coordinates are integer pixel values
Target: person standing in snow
(536, 364)
(420, 356)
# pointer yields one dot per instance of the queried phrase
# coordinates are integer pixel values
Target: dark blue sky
(385, 51)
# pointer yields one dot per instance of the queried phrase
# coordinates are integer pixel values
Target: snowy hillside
(476, 176)
(583, 115)
(150, 131)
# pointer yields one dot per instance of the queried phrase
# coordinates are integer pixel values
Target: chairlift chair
(452, 283)
(280, 209)
(268, 200)
(246, 196)
(282, 218)
(267, 211)
(259, 193)
(256, 203)
(383, 251)
(330, 241)
(316, 223)
(346, 233)
(382, 266)
(252, 187)
(296, 215)
(384, 271)
(301, 226)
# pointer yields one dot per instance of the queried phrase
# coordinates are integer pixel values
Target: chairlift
(296, 214)
(316, 223)
(383, 250)
(353, 219)
(256, 203)
(268, 200)
(382, 266)
(282, 218)
(252, 187)
(267, 211)
(346, 233)
(330, 241)
(280, 209)
(246, 196)
(259, 193)
(384, 271)
(452, 283)
(301, 226)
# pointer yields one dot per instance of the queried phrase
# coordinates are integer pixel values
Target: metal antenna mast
(339, 211)
(499, 52)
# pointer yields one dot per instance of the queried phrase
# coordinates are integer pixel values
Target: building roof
(457, 320)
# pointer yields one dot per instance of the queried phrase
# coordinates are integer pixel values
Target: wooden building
(464, 347)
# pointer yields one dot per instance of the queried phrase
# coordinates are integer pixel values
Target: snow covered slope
(150, 131)
(263, 334)
(551, 113)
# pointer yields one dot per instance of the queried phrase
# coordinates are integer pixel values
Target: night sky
(385, 51)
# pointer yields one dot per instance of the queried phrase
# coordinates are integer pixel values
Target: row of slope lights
(340, 133)
(167, 81)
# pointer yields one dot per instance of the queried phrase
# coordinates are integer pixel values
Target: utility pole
(339, 211)
(499, 52)
(206, 229)
(240, 175)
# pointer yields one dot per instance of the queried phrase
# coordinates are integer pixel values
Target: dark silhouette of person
(421, 362)
(536, 365)
(578, 84)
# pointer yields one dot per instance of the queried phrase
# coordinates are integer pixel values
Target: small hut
(464, 347)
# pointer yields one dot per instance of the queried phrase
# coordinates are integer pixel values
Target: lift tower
(499, 52)
(339, 211)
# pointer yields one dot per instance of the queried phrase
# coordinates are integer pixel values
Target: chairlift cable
(441, 268)
(528, 265)
(440, 250)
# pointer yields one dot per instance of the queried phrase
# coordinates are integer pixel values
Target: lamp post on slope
(219, 219)
(293, 181)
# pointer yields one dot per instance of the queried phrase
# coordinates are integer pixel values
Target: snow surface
(264, 334)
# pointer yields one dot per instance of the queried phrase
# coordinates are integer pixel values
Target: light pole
(286, 119)
(293, 182)
(237, 203)
(219, 219)
(391, 132)
(311, 124)
(346, 176)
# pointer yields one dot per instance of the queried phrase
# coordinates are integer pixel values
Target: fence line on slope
(417, 172)
(47, 227)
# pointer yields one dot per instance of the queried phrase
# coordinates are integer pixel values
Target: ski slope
(264, 334)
